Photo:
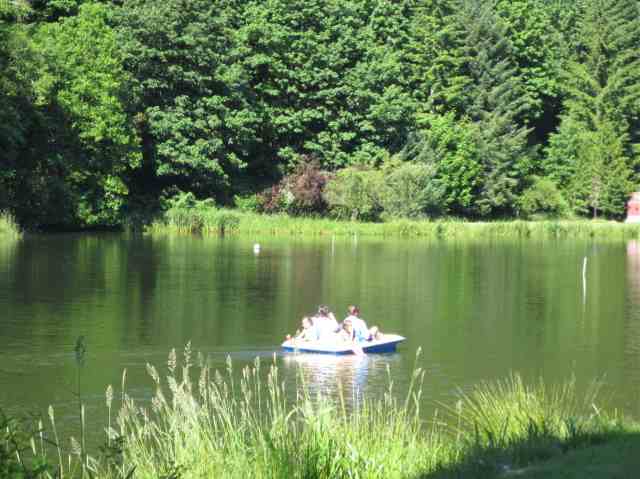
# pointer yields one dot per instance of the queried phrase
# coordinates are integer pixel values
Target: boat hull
(388, 344)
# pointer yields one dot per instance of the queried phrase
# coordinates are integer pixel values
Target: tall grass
(8, 225)
(215, 221)
(204, 220)
(200, 422)
(217, 427)
(505, 424)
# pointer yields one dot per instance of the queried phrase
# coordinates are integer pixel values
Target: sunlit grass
(215, 427)
(215, 221)
(509, 424)
(218, 428)
(8, 226)
(204, 220)
(198, 422)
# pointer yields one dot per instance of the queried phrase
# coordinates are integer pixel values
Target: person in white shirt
(308, 332)
(325, 323)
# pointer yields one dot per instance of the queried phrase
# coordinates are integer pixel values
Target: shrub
(543, 198)
(353, 193)
(187, 200)
(186, 213)
(250, 203)
(19, 458)
(303, 189)
(411, 190)
(452, 146)
(226, 221)
(299, 193)
(271, 200)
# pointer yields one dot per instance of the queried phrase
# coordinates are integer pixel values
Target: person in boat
(347, 332)
(326, 323)
(360, 330)
(375, 334)
(306, 332)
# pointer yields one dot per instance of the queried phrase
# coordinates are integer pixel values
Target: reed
(202, 219)
(201, 422)
(508, 424)
(215, 427)
(8, 226)
(211, 220)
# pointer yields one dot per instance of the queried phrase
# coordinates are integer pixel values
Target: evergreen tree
(383, 82)
(602, 108)
(601, 180)
(449, 84)
(538, 31)
(475, 75)
(449, 146)
(604, 79)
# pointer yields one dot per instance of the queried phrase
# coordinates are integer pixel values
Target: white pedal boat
(386, 344)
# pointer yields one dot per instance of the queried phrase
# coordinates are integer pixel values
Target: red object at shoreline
(633, 208)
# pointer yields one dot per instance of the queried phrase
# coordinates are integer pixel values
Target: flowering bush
(304, 188)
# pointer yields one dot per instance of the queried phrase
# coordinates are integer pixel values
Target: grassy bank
(203, 423)
(216, 221)
(8, 226)
(618, 458)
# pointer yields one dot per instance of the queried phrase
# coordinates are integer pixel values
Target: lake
(479, 310)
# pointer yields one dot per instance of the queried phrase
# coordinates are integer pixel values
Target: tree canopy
(469, 108)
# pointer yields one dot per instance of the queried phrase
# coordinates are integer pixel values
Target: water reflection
(632, 317)
(352, 376)
(479, 310)
(633, 271)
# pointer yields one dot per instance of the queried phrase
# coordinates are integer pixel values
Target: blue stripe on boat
(386, 345)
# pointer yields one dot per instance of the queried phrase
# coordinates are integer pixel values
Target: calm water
(478, 310)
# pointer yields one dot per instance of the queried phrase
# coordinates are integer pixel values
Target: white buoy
(584, 280)
(256, 248)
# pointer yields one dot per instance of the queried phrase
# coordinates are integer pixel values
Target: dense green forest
(365, 109)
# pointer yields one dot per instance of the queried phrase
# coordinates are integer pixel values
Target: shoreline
(227, 221)
(233, 222)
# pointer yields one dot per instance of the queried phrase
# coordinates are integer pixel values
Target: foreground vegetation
(203, 423)
(614, 459)
(471, 108)
(8, 226)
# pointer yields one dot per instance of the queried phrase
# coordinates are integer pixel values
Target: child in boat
(360, 330)
(307, 332)
(347, 333)
(374, 334)
(326, 323)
